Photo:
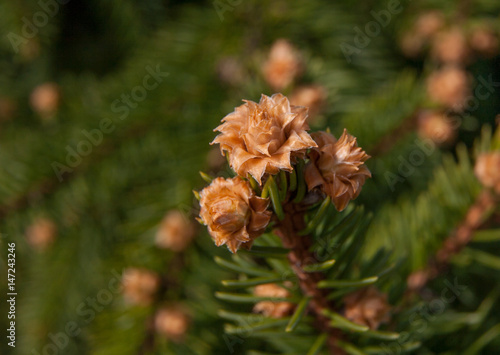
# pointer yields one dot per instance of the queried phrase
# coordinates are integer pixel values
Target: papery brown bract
(273, 309)
(265, 137)
(337, 167)
(368, 307)
(234, 215)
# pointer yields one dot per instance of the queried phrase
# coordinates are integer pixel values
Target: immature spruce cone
(45, 99)
(273, 309)
(139, 286)
(172, 323)
(337, 167)
(485, 42)
(367, 306)
(41, 234)
(234, 215)
(312, 97)
(450, 87)
(262, 138)
(450, 46)
(175, 231)
(437, 127)
(283, 66)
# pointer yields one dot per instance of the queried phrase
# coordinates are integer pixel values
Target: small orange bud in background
(175, 231)
(272, 309)
(283, 65)
(450, 46)
(437, 127)
(485, 42)
(41, 234)
(312, 97)
(367, 306)
(139, 286)
(450, 87)
(45, 100)
(172, 323)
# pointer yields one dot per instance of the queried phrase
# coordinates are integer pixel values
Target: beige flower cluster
(261, 139)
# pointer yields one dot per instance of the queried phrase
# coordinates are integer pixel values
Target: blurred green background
(129, 93)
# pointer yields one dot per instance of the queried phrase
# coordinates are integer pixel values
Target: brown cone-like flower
(429, 23)
(175, 231)
(139, 286)
(487, 170)
(437, 127)
(272, 309)
(368, 307)
(337, 167)
(234, 215)
(283, 66)
(41, 234)
(45, 99)
(312, 97)
(485, 42)
(449, 86)
(264, 137)
(172, 322)
(451, 46)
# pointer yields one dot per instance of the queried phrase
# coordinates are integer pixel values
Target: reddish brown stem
(299, 256)
(457, 240)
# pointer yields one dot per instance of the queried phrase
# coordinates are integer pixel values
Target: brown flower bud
(139, 286)
(262, 138)
(283, 66)
(274, 309)
(487, 170)
(367, 306)
(234, 215)
(175, 231)
(45, 99)
(437, 127)
(412, 44)
(485, 42)
(450, 46)
(41, 234)
(417, 279)
(172, 323)
(429, 23)
(449, 86)
(337, 167)
(312, 97)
